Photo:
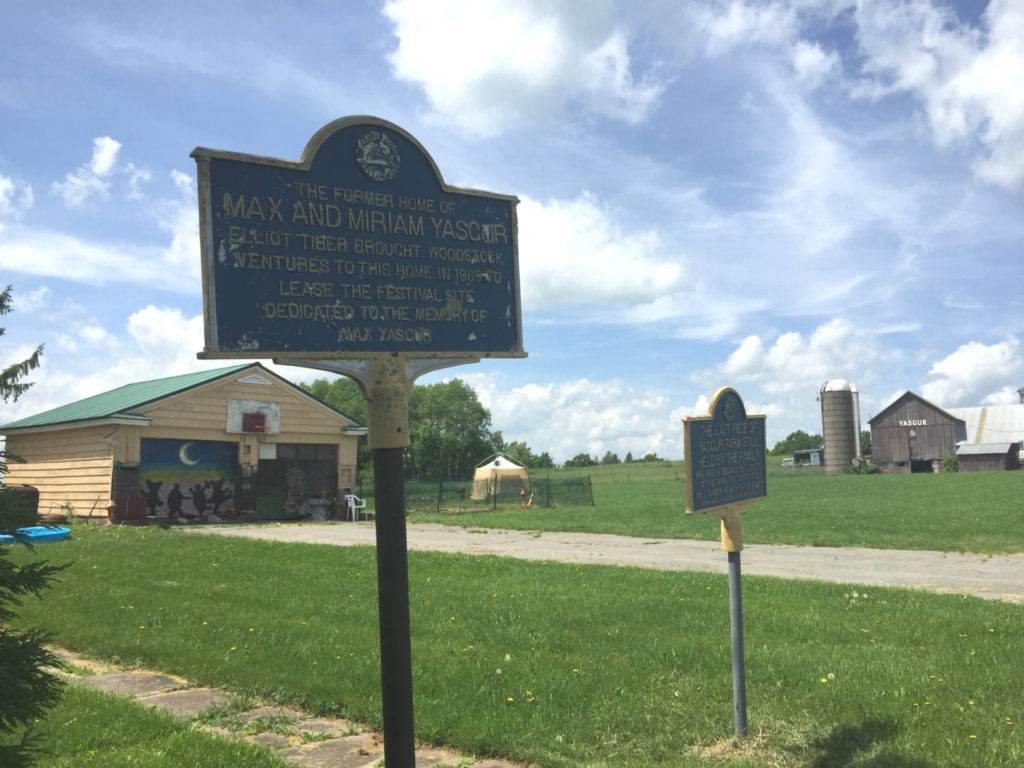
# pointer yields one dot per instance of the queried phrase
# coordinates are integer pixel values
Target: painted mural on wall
(188, 478)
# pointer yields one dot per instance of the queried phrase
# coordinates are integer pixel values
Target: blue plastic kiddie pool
(36, 534)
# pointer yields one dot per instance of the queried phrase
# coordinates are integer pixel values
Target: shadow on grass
(848, 745)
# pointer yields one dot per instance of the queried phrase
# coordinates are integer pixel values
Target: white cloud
(167, 339)
(160, 342)
(574, 252)
(742, 23)
(14, 204)
(96, 176)
(54, 254)
(568, 417)
(33, 300)
(180, 219)
(812, 64)
(782, 379)
(837, 349)
(174, 266)
(976, 373)
(92, 178)
(104, 156)
(967, 79)
(488, 64)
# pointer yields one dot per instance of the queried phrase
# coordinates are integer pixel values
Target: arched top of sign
(377, 153)
(728, 403)
(358, 248)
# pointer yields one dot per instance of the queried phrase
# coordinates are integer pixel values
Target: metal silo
(839, 428)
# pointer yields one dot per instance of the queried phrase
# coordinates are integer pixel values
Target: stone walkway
(295, 736)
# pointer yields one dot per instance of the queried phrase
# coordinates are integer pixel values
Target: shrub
(861, 467)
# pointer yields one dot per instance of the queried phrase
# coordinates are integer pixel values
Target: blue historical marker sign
(358, 248)
(725, 454)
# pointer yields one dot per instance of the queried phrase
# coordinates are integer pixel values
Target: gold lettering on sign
(386, 223)
(376, 267)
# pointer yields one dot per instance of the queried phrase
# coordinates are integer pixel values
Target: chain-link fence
(455, 497)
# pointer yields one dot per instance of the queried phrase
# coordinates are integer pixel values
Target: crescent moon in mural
(183, 455)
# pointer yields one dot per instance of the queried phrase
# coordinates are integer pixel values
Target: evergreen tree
(27, 689)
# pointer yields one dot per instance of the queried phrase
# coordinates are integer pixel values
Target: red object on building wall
(254, 422)
(133, 511)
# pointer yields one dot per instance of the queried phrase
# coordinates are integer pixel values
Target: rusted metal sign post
(358, 259)
(725, 474)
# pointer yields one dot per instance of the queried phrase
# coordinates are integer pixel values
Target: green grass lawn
(971, 511)
(559, 664)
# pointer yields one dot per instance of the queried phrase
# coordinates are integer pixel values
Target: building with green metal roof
(217, 444)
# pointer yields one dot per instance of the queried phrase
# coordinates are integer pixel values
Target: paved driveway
(999, 577)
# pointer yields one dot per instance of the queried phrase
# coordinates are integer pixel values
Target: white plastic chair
(353, 503)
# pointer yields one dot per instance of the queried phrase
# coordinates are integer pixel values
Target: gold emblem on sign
(377, 155)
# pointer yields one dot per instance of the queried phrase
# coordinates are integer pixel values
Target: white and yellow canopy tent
(499, 475)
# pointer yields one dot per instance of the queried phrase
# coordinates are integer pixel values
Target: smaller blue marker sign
(725, 454)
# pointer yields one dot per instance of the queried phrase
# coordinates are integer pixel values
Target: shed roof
(985, 449)
(119, 403)
(992, 423)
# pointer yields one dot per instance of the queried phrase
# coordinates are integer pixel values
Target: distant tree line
(796, 441)
(586, 460)
(801, 441)
(450, 431)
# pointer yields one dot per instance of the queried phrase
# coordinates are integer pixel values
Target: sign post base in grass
(732, 543)
(739, 670)
(393, 608)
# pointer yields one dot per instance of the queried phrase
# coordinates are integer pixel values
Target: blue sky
(762, 195)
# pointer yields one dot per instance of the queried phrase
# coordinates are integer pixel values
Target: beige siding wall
(80, 477)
